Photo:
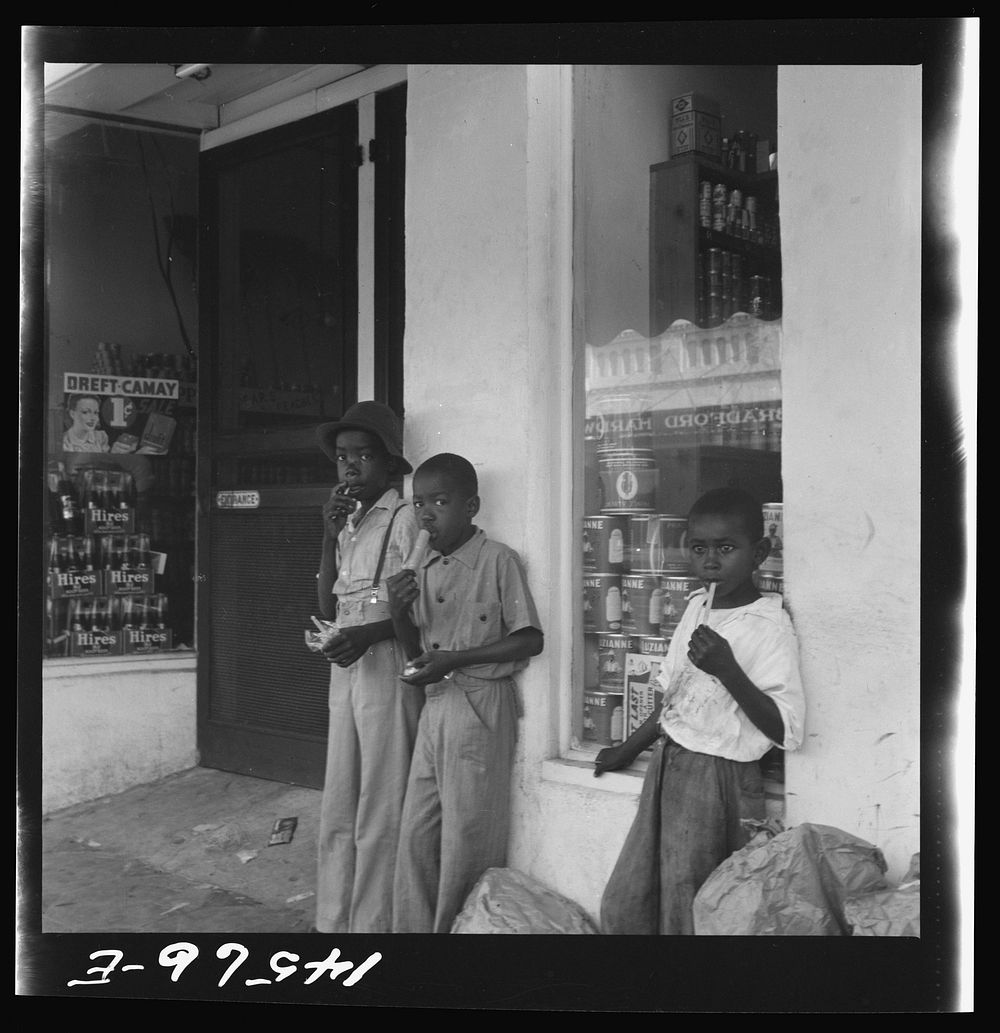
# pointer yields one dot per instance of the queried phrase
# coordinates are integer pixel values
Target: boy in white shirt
(732, 690)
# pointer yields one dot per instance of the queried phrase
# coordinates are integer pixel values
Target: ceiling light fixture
(196, 72)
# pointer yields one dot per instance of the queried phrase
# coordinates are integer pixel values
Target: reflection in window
(689, 397)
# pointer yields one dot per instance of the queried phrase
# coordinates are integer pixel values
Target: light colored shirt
(93, 441)
(699, 712)
(474, 597)
(359, 544)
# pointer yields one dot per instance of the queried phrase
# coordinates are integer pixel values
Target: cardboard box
(95, 643)
(643, 694)
(146, 640)
(130, 582)
(75, 584)
(687, 102)
(695, 126)
(696, 133)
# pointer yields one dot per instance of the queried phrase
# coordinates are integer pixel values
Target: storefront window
(121, 359)
(680, 295)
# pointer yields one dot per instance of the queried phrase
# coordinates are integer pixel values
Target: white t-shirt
(698, 710)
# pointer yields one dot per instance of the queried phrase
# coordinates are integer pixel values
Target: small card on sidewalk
(282, 831)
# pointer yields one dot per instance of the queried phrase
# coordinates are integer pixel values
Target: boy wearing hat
(368, 530)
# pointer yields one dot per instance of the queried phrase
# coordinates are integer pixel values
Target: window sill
(89, 667)
(576, 768)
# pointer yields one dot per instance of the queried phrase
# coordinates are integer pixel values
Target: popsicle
(325, 632)
(418, 551)
(706, 609)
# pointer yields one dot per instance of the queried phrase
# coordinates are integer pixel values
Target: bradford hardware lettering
(723, 417)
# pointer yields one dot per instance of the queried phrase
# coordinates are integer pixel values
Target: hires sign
(110, 521)
(72, 584)
(95, 643)
(147, 640)
(130, 582)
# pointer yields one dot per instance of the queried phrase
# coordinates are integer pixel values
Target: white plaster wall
(850, 180)
(486, 375)
(109, 726)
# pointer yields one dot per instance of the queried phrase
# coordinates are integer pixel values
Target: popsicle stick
(319, 624)
(707, 608)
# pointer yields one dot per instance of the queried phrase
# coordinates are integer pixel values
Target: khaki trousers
(373, 726)
(457, 813)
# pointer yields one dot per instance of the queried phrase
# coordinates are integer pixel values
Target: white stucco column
(850, 181)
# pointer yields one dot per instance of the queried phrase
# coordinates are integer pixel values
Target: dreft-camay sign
(119, 414)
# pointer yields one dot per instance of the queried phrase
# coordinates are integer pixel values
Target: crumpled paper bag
(505, 900)
(794, 884)
(894, 912)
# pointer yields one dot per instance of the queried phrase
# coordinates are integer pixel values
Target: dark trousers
(687, 824)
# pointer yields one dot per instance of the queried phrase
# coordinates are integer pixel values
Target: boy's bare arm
(612, 758)
(437, 663)
(711, 653)
(336, 510)
(326, 578)
(403, 591)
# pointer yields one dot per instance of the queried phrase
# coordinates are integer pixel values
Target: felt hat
(373, 417)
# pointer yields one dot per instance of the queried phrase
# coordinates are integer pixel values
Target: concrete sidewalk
(188, 853)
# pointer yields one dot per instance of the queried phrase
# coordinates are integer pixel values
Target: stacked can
(604, 556)
(705, 204)
(771, 573)
(629, 479)
(602, 718)
(714, 274)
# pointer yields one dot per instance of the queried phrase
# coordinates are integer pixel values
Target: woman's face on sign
(86, 414)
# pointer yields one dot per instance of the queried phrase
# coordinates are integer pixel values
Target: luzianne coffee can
(642, 603)
(602, 601)
(657, 544)
(602, 717)
(770, 583)
(604, 542)
(675, 599)
(612, 650)
(629, 479)
(773, 530)
(591, 663)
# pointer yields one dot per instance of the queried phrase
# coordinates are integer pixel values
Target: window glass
(121, 347)
(679, 298)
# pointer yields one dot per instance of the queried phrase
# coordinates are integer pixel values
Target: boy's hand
(710, 652)
(403, 590)
(337, 508)
(434, 666)
(612, 758)
(349, 646)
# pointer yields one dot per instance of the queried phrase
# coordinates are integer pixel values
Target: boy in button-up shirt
(732, 691)
(467, 620)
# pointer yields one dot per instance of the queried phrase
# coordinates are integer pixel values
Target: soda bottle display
(83, 553)
(64, 511)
